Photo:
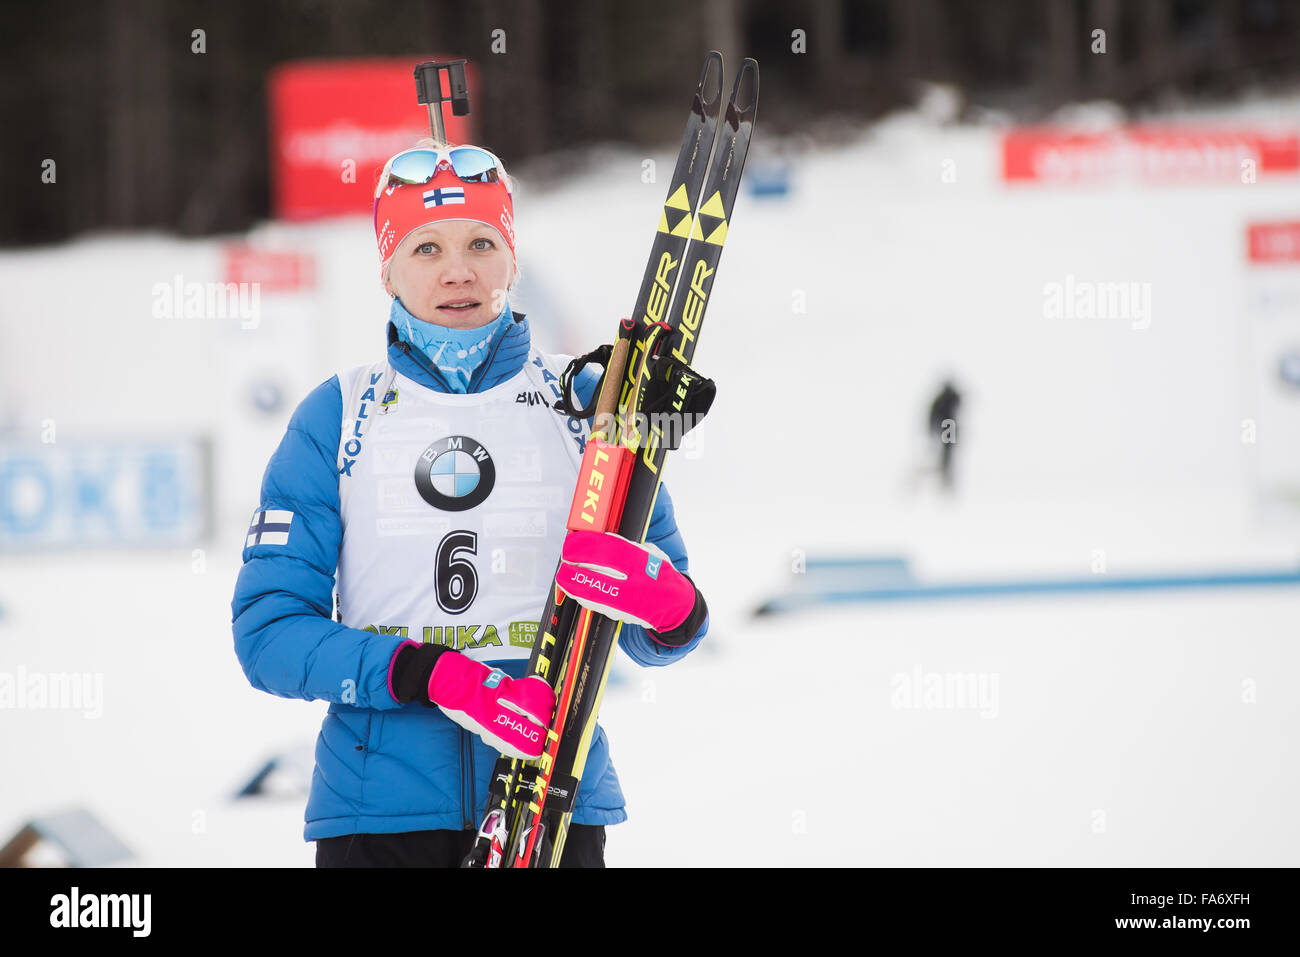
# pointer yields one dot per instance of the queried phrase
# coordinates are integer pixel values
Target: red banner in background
(272, 269)
(1148, 154)
(335, 122)
(1273, 242)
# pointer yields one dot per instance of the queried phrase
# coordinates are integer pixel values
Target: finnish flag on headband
(270, 526)
(444, 196)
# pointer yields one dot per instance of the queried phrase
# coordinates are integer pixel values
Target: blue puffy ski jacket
(382, 767)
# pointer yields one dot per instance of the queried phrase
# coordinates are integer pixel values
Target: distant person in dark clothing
(943, 426)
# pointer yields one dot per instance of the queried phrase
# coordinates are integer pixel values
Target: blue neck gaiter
(456, 353)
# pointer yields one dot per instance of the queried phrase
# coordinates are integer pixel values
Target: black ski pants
(583, 847)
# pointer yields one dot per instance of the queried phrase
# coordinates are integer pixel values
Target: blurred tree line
(148, 134)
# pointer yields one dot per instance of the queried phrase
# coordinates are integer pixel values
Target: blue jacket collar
(508, 356)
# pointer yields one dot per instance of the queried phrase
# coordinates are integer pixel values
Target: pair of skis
(530, 804)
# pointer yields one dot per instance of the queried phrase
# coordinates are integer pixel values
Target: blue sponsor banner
(103, 493)
(838, 581)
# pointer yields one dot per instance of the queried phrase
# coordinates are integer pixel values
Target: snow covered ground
(1129, 730)
(1125, 729)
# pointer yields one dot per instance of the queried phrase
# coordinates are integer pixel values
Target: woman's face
(453, 273)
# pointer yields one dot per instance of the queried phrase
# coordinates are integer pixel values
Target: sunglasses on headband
(470, 164)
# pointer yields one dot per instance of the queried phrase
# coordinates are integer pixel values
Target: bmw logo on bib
(455, 474)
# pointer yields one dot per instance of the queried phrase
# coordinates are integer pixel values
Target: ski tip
(744, 94)
(710, 89)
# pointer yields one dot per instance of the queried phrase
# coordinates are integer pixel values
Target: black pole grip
(459, 87)
(428, 88)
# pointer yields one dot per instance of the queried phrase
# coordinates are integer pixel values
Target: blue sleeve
(285, 638)
(663, 532)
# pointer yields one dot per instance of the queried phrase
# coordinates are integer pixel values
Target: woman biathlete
(436, 483)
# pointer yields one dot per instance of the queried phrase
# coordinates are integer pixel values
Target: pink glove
(510, 714)
(634, 583)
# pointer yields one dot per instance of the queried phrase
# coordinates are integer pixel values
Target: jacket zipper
(473, 803)
(464, 743)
